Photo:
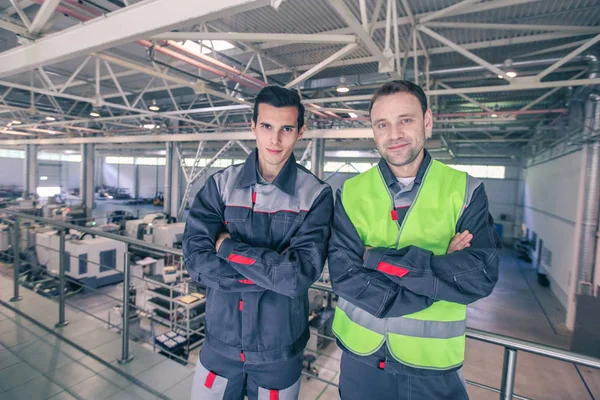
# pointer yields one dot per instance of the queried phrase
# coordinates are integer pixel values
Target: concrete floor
(519, 307)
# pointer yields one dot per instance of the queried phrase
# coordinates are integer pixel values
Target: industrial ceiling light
(15, 122)
(50, 118)
(94, 113)
(494, 115)
(154, 106)
(149, 126)
(509, 70)
(342, 87)
(353, 115)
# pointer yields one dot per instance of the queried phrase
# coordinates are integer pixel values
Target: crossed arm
(390, 283)
(239, 267)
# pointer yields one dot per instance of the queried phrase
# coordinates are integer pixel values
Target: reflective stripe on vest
(435, 337)
(402, 325)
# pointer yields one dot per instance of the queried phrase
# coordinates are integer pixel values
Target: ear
(301, 132)
(428, 122)
(253, 126)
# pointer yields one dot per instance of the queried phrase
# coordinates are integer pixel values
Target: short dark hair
(399, 87)
(278, 96)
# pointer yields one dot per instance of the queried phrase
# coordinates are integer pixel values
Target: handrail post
(508, 374)
(125, 356)
(16, 260)
(61, 280)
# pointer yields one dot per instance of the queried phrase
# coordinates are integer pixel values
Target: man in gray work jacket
(257, 237)
(412, 244)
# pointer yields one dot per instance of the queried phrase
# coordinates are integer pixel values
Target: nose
(276, 138)
(396, 132)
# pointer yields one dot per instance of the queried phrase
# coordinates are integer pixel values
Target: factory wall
(152, 180)
(122, 176)
(12, 171)
(551, 204)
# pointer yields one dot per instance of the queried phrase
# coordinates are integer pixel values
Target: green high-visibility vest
(435, 337)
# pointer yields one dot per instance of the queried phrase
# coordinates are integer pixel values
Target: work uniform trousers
(362, 381)
(218, 377)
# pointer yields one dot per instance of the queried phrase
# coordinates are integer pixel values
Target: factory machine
(5, 240)
(93, 261)
(159, 230)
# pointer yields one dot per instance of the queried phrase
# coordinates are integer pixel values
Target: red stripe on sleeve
(236, 258)
(391, 269)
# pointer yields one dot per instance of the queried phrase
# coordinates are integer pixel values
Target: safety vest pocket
(207, 385)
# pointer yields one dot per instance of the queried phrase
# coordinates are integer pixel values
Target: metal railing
(511, 345)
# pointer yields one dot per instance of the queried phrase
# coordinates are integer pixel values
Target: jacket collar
(390, 178)
(285, 180)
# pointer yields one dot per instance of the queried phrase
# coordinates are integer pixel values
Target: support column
(317, 160)
(86, 180)
(30, 179)
(172, 181)
(136, 181)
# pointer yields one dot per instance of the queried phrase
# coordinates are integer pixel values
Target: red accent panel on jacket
(246, 281)
(273, 394)
(236, 258)
(210, 379)
(391, 269)
(241, 305)
(253, 197)
(394, 215)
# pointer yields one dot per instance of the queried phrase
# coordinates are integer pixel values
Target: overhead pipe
(499, 113)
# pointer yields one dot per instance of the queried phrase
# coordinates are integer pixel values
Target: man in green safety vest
(412, 244)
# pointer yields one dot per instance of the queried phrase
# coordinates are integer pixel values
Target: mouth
(272, 151)
(398, 146)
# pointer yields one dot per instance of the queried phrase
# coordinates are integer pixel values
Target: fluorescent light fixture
(94, 114)
(500, 76)
(494, 115)
(218, 45)
(154, 106)
(43, 178)
(50, 118)
(149, 126)
(511, 74)
(15, 122)
(353, 115)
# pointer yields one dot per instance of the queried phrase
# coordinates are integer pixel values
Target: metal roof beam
(516, 27)
(323, 64)
(257, 37)
(568, 57)
(346, 14)
(447, 11)
(43, 16)
(122, 26)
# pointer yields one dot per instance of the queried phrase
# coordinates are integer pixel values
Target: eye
(406, 120)
(288, 129)
(265, 126)
(381, 125)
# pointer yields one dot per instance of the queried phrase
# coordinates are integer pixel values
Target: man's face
(400, 128)
(276, 133)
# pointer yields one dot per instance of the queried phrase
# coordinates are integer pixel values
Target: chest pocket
(284, 225)
(236, 220)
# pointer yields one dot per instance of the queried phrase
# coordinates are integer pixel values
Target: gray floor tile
(142, 361)
(164, 375)
(109, 351)
(14, 338)
(16, 375)
(331, 393)
(139, 392)
(70, 374)
(94, 388)
(39, 388)
(92, 364)
(131, 394)
(8, 358)
(115, 378)
(76, 328)
(50, 361)
(63, 396)
(94, 338)
(7, 325)
(181, 390)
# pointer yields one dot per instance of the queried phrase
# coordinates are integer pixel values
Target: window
(119, 160)
(48, 191)
(482, 171)
(150, 161)
(59, 157)
(108, 260)
(5, 153)
(83, 264)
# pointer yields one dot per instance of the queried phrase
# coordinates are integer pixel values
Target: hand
(460, 241)
(367, 248)
(220, 240)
